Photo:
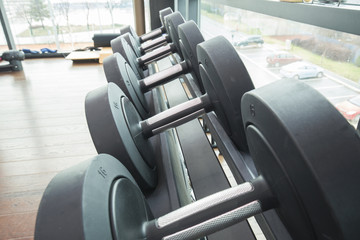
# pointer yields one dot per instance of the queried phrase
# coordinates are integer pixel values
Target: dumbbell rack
(201, 170)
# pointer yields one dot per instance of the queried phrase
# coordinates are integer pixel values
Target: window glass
(3, 43)
(65, 24)
(327, 60)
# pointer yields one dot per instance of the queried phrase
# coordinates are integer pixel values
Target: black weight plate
(166, 24)
(129, 29)
(118, 47)
(118, 71)
(190, 37)
(134, 46)
(133, 120)
(225, 80)
(127, 80)
(309, 155)
(173, 22)
(129, 211)
(132, 43)
(131, 56)
(290, 206)
(75, 204)
(110, 134)
(121, 46)
(163, 13)
(126, 29)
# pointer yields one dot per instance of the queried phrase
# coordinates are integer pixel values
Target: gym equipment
(117, 128)
(152, 34)
(14, 58)
(121, 46)
(307, 156)
(104, 39)
(118, 71)
(150, 41)
(142, 48)
(79, 202)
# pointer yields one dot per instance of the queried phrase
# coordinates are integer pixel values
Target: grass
(274, 41)
(345, 69)
(40, 31)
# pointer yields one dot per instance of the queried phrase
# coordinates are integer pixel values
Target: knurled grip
(205, 203)
(217, 223)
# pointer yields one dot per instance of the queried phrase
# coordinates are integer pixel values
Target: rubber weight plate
(309, 155)
(173, 22)
(76, 203)
(225, 80)
(118, 71)
(190, 36)
(107, 122)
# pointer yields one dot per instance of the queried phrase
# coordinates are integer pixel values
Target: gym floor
(42, 131)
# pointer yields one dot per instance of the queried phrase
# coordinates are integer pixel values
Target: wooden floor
(42, 131)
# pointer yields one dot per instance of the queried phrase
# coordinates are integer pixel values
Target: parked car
(312, 1)
(322, 1)
(299, 70)
(248, 41)
(296, 1)
(350, 109)
(281, 58)
(337, 2)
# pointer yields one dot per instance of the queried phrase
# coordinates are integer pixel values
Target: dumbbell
(306, 154)
(171, 22)
(121, 46)
(117, 128)
(143, 48)
(118, 71)
(150, 35)
(140, 47)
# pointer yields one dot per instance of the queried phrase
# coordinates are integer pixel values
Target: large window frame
(6, 27)
(336, 18)
(339, 18)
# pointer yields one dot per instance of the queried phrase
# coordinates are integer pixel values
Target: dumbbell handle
(156, 54)
(213, 213)
(154, 43)
(153, 34)
(175, 116)
(164, 76)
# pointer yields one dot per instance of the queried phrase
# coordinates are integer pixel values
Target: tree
(87, 6)
(110, 6)
(39, 11)
(24, 13)
(62, 9)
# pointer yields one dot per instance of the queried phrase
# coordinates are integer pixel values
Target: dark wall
(155, 7)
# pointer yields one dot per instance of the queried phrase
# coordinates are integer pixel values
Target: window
(63, 24)
(326, 59)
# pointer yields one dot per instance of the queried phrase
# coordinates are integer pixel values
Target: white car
(298, 70)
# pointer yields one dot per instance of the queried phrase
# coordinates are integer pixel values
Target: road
(334, 87)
